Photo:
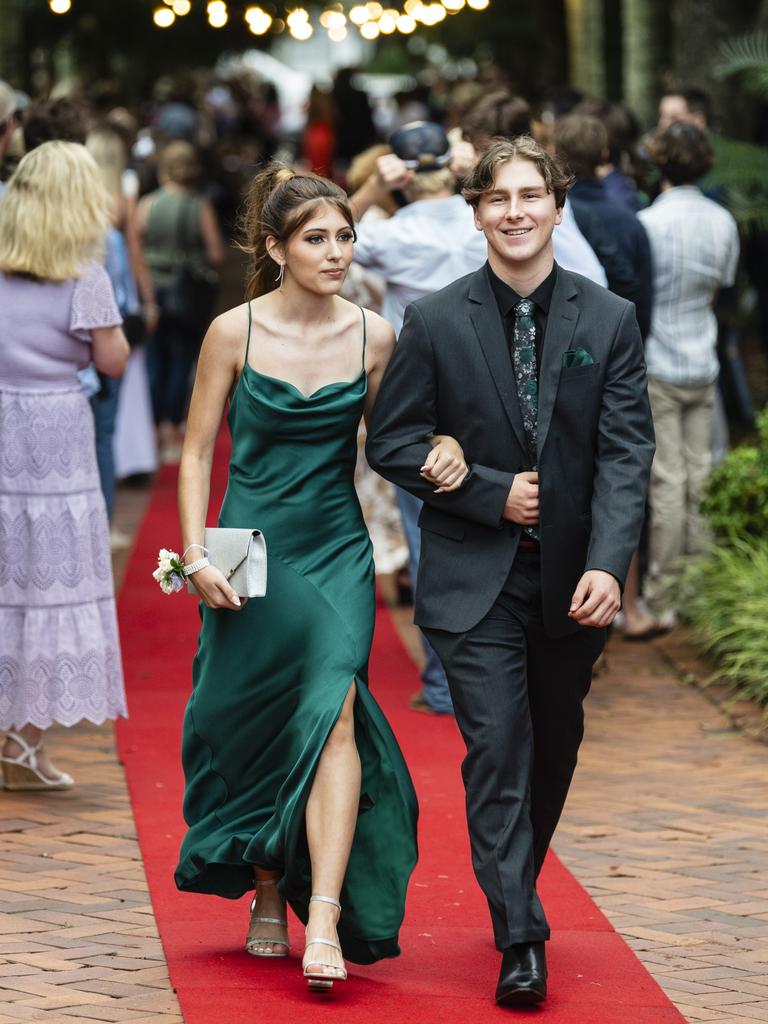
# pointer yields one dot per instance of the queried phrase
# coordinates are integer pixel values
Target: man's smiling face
(517, 214)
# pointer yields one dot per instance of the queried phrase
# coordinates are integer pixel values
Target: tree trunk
(12, 68)
(585, 45)
(641, 83)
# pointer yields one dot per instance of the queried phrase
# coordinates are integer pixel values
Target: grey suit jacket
(451, 373)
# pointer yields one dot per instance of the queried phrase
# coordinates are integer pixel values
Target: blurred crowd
(644, 218)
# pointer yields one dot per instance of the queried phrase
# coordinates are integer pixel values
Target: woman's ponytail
(255, 228)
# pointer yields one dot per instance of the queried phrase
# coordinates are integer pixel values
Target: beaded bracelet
(199, 564)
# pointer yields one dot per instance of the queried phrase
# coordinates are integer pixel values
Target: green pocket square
(576, 357)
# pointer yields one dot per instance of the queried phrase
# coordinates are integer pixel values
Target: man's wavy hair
(481, 179)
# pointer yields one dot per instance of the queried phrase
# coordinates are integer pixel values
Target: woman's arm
(217, 370)
(133, 239)
(110, 350)
(378, 352)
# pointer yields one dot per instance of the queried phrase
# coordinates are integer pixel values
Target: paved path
(666, 827)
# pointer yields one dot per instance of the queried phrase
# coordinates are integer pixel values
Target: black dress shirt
(541, 297)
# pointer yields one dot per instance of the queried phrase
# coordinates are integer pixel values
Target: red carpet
(448, 969)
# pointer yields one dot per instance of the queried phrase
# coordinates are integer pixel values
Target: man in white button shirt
(695, 249)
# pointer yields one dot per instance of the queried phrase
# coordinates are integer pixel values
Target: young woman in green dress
(295, 784)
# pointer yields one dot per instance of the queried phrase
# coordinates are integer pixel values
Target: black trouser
(518, 698)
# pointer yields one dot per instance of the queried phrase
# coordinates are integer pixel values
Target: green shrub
(725, 598)
(735, 500)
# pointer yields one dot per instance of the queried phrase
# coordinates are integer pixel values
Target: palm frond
(745, 53)
(749, 211)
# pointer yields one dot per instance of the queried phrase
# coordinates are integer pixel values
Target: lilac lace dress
(59, 648)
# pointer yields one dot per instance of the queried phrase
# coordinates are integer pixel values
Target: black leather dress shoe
(523, 975)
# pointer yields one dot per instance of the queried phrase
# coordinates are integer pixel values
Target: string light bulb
(359, 15)
(406, 24)
(479, 5)
(388, 23)
(163, 17)
(370, 30)
(259, 21)
(60, 6)
(181, 8)
(337, 33)
(218, 15)
(336, 20)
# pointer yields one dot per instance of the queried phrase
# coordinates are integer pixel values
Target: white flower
(167, 572)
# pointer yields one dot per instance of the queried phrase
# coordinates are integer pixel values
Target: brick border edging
(691, 667)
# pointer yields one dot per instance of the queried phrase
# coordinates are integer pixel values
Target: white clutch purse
(241, 555)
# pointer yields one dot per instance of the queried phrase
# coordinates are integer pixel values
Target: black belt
(528, 544)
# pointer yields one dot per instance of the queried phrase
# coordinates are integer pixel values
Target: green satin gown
(269, 681)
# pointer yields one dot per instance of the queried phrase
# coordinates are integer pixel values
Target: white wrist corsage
(169, 572)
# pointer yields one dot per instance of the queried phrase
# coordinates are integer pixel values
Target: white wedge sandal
(254, 941)
(22, 773)
(317, 979)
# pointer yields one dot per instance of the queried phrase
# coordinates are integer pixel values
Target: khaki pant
(682, 419)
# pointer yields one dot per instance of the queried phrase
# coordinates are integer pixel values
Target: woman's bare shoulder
(229, 330)
(380, 334)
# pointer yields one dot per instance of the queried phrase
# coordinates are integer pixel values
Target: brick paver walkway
(666, 827)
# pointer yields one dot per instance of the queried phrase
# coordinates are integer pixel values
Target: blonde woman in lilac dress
(60, 654)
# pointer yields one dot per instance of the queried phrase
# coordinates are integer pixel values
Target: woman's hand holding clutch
(445, 465)
(212, 586)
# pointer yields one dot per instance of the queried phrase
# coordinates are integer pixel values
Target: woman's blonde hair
(54, 214)
(430, 183)
(108, 149)
(178, 162)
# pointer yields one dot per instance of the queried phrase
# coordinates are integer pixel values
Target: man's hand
(596, 599)
(463, 158)
(392, 173)
(445, 465)
(522, 504)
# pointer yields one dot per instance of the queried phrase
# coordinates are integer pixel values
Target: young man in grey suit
(539, 374)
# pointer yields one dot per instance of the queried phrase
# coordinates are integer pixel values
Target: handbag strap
(182, 225)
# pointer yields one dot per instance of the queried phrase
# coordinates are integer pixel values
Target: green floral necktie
(524, 362)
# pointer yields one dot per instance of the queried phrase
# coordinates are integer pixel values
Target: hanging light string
(370, 20)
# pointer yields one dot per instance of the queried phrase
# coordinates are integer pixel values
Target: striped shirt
(695, 249)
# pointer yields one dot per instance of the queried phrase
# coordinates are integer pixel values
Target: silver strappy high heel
(22, 773)
(317, 979)
(254, 941)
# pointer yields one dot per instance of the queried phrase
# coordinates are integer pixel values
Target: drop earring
(279, 278)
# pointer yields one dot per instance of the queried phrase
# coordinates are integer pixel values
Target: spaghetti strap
(248, 341)
(365, 334)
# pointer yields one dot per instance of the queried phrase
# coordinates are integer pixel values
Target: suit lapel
(486, 319)
(561, 323)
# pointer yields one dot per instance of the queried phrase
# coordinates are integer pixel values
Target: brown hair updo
(278, 203)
